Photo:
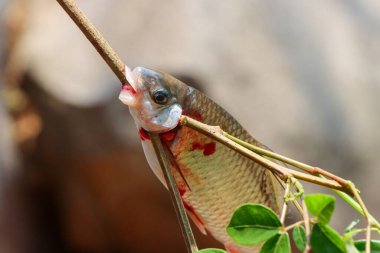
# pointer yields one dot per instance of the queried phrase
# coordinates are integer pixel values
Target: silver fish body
(213, 180)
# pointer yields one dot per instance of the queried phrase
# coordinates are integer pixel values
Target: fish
(212, 179)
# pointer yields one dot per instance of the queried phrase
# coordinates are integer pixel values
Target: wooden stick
(96, 39)
(284, 173)
(174, 193)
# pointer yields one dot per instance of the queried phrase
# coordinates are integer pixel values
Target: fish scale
(217, 184)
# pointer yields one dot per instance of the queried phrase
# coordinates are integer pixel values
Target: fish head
(155, 99)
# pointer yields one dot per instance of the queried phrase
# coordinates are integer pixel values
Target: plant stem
(356, 206)
(286, 197)
(284, 173)
(295, 203)
(174, 193)
(295, 225)
(307, 225)
(314, 171)
(305, 167)
(366, 215)
(94, 36)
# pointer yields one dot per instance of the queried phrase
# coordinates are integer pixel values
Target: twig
(305, 167)
(286, 197)
(94, 36)
(295, 225)
(366, 215)
(351, 189)
(357, 207)
(295, 203)
(217, 134)
(174, 193)
(307, 225)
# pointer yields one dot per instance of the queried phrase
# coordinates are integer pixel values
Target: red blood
(197, 146)
(231, 250)
(129, 88)
(208, 149)
(195, 115)
(182, 191)
(143, 134)
(170, 135)
(189, 208)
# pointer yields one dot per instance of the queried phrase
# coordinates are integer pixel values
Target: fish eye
(160, 96)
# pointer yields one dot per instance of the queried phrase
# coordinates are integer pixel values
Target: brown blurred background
(301, 76)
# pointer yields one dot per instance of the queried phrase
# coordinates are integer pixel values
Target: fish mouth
(128, 90)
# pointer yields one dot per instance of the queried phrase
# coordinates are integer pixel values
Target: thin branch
(174, 193)
(295, 225)
(355, 205)
(295, 203)
(284, 173)
(360, 207)
(305, 167)
(94, 36)
(366, 215)
(286, 197)
(307, 225)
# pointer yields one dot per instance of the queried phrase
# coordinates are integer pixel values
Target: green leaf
(375, 246)
(321, 206)
(324, 239)
(252, 224)
(211, 251)
(299, 237)
(277, 244)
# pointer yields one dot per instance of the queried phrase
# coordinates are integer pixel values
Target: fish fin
(153, 162)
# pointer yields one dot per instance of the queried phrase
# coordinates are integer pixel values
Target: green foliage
(278, 244)
(299, 237)
(375, 246)
(252, 224)
(324, 239)
(211, 251)
(321, 206)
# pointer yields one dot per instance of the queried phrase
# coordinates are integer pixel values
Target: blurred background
(301, 76)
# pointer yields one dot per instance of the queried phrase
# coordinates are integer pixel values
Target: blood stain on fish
(188, 207)
(170, 135)
(128, 87)
(230, 249)
(143, 134)
(193, 114)
(208, 148)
